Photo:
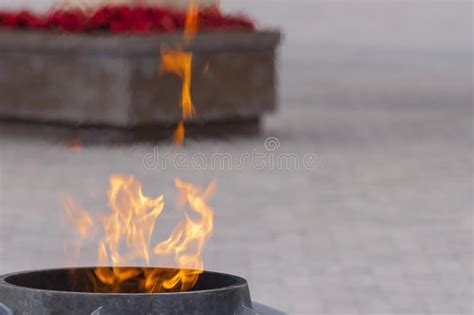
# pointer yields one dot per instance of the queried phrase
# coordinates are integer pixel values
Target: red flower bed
(123, 19)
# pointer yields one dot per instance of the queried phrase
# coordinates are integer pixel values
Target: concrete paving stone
(437, 305)
(340, 305)
(402, 304)
(373, 303)
(304, 306)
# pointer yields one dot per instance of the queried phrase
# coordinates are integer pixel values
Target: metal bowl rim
(240, 283)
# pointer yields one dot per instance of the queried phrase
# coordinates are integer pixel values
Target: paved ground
(383, 225)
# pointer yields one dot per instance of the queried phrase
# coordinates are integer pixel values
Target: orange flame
(191, 25)
(187, 240)
(128, 231)
(179, 133)
(82, 221)
(73, 144)
(180, 62)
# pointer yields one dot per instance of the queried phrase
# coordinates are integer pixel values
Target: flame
(187, 240)
(179, 133)
(128, 231)
(191, 25)
(180, 63)
(82, 221)
(73, 144)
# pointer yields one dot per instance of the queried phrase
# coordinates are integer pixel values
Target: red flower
(10, 19)
(100, 19)
(180, 19)
(142, 20)
(120, 19)
(71, 20)
(34, 21)
(168, 23)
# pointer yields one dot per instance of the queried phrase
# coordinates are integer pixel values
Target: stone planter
(112, 81)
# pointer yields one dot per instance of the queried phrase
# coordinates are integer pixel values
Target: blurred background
(381, 92)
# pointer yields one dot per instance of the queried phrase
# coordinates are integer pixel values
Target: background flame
(180, 63)
(191, 25)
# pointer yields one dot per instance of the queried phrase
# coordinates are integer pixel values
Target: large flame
(127, 236)
(187, 240)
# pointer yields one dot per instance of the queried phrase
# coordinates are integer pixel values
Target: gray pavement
(382, 225)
